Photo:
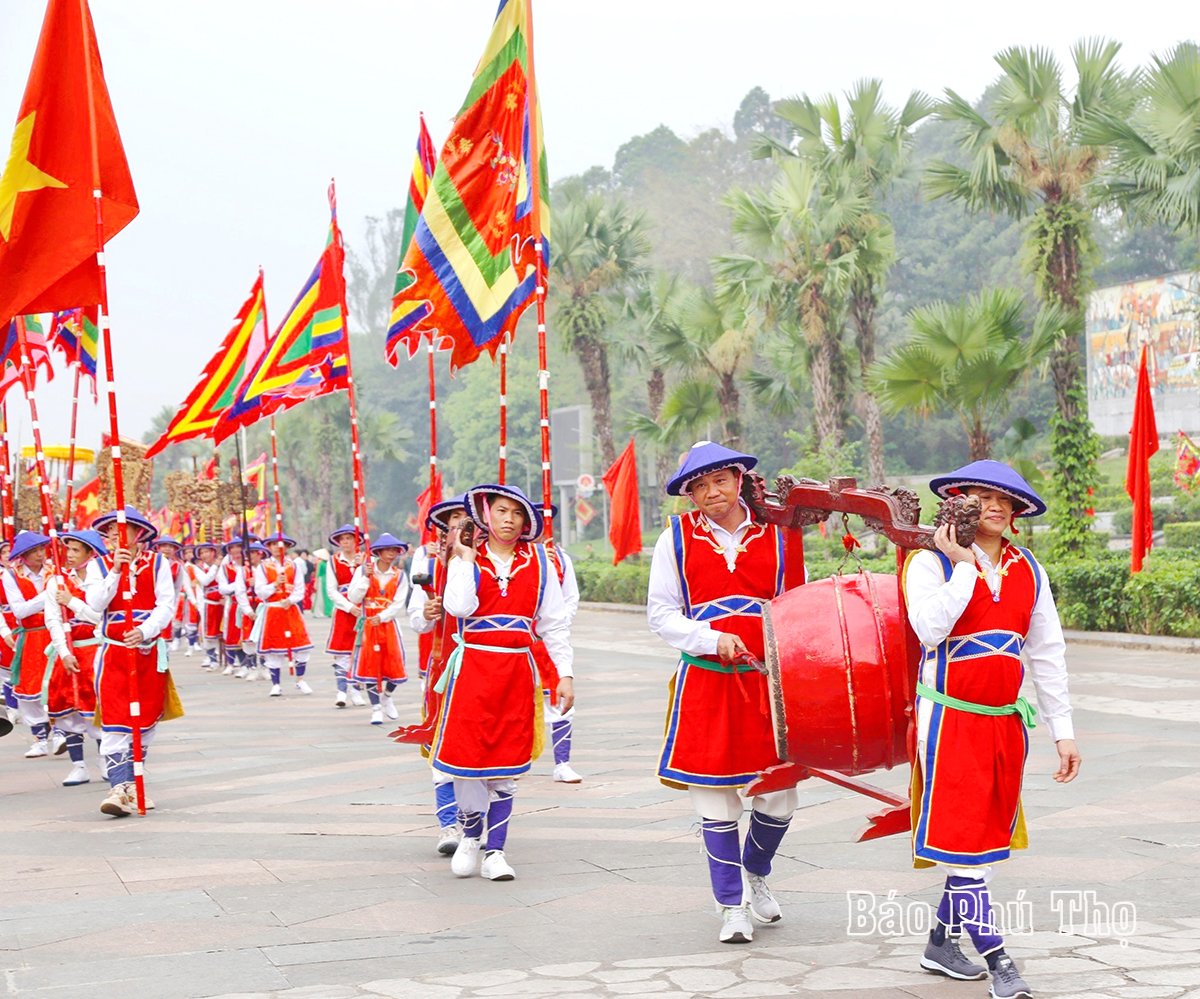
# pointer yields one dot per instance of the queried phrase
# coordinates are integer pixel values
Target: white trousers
(726, 805)
(474, 795)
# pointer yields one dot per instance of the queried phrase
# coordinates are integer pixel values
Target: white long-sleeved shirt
(235, 588)
(359, 584)
(664, 597)
(101, 589)
(570, 585)
(54, 616)
(552, 622)
(336, 597)
(935, 604)
(22, 607)
(266, 590)
(205, 574)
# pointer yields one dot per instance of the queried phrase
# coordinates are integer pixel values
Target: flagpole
(114, 430)
(275, 480)
(49, 527)
(535, 140)
(504, 342)
(7, 520)
(433, 461)
(356, 469)
(68, 513)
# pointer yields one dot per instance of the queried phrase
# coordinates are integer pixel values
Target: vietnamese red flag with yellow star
(47, 209)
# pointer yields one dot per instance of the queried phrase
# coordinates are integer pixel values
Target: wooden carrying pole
(68, 513)
(6, 480)
(125, 587)
(535, 138)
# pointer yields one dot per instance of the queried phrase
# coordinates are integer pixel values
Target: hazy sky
(236, 114)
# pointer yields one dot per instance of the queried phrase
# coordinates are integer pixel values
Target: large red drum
(841, 675)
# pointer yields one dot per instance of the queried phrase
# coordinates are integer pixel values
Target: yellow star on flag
(20, 176)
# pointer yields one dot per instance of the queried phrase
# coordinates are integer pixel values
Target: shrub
(1164, 598)
(1089, 591)
(1182, 535)
(603, 582)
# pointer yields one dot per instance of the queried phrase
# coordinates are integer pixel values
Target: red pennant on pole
(625, 526)
(1143, 442)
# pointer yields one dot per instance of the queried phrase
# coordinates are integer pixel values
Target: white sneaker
(251, 674)
(340, 700)
(389, 708)
(448, 839)
(121, 801)
(466, 857)
(239, 673)
(78, 775)
(264, 673)
(37, 750)
(763, 906)
(14, 716)
(565, 773)
(57, 743)
(356, 697)
(188, 653)
(275, 691)
(173, 645)
(377, 715)
(495, 867)
(228, 670)
(736, 926)
(303, 687)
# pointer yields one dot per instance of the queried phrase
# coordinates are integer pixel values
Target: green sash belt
(52, 650)
(454, 663)
(1020, 706)
(20, 631)
(160, 648)
(708, 664)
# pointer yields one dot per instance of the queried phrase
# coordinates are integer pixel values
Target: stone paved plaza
(292, 855)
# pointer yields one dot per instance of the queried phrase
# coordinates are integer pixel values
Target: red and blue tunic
(32, 641)
(967, 789)
(214, 605)
(283, 626)
(488, 724)
(75, 691)
(237, 627)
(380, 656)
(718, 729)
(343, 626)
(115, 664)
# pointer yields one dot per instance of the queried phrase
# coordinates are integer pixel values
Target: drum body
(842, 671)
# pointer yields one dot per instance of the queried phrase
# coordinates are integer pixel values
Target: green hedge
(1183, 535)
(602, 582)
(1182, 508)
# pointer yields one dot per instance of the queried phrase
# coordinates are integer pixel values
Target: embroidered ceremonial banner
(471, 259)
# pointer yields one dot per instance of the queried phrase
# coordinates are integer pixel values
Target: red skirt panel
(342, 632)
(74, 691)
(380, 655)
(31, 667)
(283, 631)
(488, 716)
(718, 730)
(113, 688)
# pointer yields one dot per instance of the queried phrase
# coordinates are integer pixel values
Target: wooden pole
(68, 513)
(535, 139)
(7, 520)
(504, 342)
(125, 587)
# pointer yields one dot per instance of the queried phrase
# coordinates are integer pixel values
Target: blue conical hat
(705, 457)
(989, 474)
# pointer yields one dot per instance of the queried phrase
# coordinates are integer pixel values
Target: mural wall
(1161, 315)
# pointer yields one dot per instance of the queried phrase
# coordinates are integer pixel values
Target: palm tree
(967, 357)
(1029, 155)
(801, 243)
(1154, 173)
(600, 244)
(875, 140)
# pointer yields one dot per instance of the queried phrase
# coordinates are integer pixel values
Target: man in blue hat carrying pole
(713, 569)
(343, 625)
(982, 615)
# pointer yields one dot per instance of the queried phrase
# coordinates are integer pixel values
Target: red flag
(47, 209)
(625, 526)
(211, 469)
(428, 497)
(86, 502)
(1143, 442)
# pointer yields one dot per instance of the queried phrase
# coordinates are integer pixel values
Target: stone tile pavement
(291, 855)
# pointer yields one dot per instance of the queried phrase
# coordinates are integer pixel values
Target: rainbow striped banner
(471, 259)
